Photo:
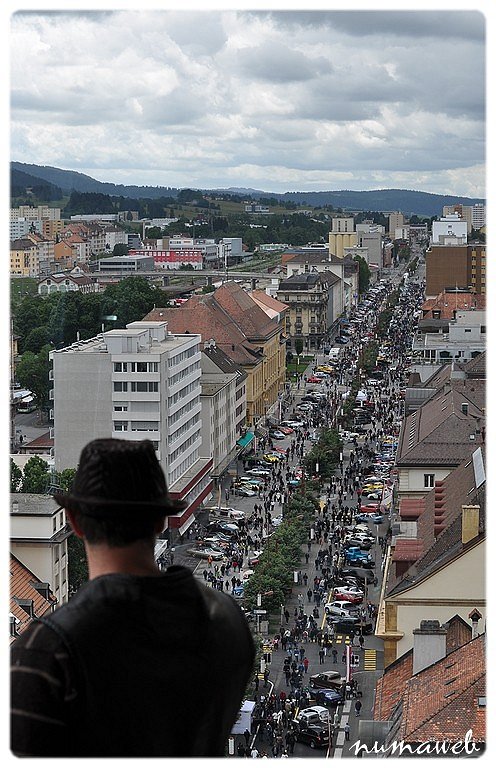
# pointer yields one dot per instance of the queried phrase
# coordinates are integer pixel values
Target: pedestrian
(347, 732)
(65, 663)
(247, 735)
(358, 706)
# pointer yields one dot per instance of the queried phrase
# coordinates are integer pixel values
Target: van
(334, 354)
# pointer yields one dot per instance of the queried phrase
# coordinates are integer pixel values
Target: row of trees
(324, 454)
(282, 554)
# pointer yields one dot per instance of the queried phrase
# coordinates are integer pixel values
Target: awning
(246, 439)
(261, 432)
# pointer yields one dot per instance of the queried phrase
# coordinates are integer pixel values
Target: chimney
(429, 644)
(475, 617)
(470, 522)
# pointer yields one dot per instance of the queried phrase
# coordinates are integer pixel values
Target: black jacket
(159, 664)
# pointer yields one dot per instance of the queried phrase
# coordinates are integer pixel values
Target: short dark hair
(115, 532)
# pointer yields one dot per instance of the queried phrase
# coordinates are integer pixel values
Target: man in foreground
(140, 662)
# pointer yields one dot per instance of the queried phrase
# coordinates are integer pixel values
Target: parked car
(362, 574)
(316, 736)
(342, 593)
(205, 553)
(223, 526)
(276, 434)
(245, 490)
(339, 608)
(369, 508)
(312, 716)
(350, 626)
(313, 380)
(285, 430)
(328, 697)
(331, 678)
(259, 472)
(230, 512)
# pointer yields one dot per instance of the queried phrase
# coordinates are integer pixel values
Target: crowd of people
(303, 627)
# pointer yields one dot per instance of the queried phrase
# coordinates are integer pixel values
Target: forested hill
(408, 201)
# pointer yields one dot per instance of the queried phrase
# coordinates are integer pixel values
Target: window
(120, 367)
(120, 407)
(429, 481)
(144, 386)
(120, 386)
(120, 426)
(483, 329)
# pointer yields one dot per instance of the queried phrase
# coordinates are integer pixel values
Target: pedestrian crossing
(370, 659)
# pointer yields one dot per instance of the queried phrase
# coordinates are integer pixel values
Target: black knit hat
(117, 477)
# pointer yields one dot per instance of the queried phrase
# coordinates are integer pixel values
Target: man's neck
(136, 559)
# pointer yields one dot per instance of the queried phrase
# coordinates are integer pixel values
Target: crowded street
(326, 627)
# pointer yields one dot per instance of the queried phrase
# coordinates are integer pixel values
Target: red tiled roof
(441, 701)
(445, 303)
(391, 686)
(21, 587)
(43, 441)
(407, 550)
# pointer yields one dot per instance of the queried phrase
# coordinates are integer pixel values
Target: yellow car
(325, 369)
(270, 457)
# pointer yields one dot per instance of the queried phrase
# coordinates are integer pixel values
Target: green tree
(131, 299)
(363, 274)
(32, 373)
(298, 344)
(36, 476)
(120, 249)
(36, 339)
(15, 477)
(66, 478)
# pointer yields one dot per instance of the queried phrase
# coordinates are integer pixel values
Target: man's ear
(74, 523)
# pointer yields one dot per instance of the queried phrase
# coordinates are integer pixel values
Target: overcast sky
(278, 101)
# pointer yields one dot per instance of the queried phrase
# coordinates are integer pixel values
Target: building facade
(136, 383)
(455, 266)
(38, 538)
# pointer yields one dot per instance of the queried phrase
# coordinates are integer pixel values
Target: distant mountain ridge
(408, 201)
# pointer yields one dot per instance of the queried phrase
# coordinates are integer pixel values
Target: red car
(286, 430)
(351, 598)
(372, 507)
(314, 380)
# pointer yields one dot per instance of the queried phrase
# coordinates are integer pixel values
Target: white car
(340, 608)
(277, 521)
(313, 715)
(259, 472)
(234, 514)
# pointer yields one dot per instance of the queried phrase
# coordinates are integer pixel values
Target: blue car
(370, 518)
(328, 697)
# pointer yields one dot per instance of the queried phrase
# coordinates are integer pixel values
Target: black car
(316, 736)
(362, 574)
(351, 625)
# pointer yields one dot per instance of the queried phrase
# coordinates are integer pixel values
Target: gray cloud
(270, 99)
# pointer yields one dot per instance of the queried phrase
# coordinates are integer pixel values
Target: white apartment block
(449, 230)
(139, 382)
(478, 216)
(395, 220)
(22, 227)
(34, 213)
(38, 538)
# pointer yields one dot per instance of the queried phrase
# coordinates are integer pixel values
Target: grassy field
(22, 286)
(292, 369)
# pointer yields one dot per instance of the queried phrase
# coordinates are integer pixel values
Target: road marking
(370, 659)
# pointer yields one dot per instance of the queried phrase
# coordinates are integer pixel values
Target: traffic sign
(259, 611)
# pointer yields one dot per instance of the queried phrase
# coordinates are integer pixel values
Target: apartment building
(449, 230)
(139, 382)
(396, 220)
(24, 258)
(451, 266)
(38, 539)
(33, 213)
(309, 298)
(218, 409)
